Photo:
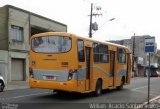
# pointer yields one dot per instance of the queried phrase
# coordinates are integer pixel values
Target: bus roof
(74, 35)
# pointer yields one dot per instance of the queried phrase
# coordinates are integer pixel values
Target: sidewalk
(154, 103)
(16, 85)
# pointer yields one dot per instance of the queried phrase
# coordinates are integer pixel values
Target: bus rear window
(51, 44)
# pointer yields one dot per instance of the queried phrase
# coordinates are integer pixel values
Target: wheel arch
(123, 79)
(100, 79)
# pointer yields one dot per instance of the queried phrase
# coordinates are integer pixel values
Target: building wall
(3, 29)
(18, 51)
(127, 43)
(139, 47)
(21, 19)
(47, 24)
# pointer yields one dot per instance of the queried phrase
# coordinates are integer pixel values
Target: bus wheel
(121, 85)
(98, 89)
(60, 92)
(1, 86)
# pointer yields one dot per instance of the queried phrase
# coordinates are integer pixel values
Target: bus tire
(59, 92)
(98, 89)
(121, 84)
(1, 86)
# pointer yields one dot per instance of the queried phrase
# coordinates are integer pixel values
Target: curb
(151, 101)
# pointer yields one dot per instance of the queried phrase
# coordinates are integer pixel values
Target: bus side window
(121, 55)
(81, 57)
(96, 52)
(103, 52)
(100, 53)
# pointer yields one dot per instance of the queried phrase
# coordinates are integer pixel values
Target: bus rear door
(88, 63)
(112, 66)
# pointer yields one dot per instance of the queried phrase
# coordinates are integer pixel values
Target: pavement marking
(153, 93)
(140, 87)
(145, 103)
(24, 96)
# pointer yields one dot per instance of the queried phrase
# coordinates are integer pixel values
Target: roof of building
(10, 6)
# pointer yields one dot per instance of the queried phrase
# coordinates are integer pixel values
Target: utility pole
(91, 25)
(133, 54)
(149, 73)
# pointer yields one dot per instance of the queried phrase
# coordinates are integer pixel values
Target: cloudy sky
(141, 17)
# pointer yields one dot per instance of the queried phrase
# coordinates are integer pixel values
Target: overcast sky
(141, 17)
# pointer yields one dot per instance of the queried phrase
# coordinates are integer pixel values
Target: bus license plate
(47, 77)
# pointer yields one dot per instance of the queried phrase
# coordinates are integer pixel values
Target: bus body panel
(52, 70)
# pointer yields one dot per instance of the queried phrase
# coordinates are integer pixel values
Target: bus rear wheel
(121, 84)
(60, 92)
(98, 89)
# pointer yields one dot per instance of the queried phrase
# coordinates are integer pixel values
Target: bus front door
(87, 81)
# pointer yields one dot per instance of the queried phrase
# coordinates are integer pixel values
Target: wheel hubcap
(99, 90)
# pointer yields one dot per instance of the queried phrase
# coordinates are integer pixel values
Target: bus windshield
(51, 44)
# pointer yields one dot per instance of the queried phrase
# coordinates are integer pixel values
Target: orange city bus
(66, 62)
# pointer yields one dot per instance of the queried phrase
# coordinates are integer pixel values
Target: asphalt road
(136, 92)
